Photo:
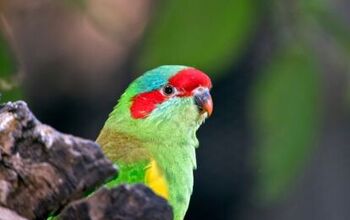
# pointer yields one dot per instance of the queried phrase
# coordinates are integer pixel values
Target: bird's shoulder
(120, 147)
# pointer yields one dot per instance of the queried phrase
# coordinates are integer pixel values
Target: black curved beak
(204, 102)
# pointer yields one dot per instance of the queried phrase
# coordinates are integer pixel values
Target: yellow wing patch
(156, 181)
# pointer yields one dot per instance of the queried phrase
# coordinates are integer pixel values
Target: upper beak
(204, 102)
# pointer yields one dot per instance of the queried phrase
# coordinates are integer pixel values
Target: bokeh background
(277, 145)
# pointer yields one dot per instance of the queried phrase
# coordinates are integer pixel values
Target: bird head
(171, 97)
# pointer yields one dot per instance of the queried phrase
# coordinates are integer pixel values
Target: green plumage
(167, 135)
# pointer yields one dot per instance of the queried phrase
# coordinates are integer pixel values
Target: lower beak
(204, 102)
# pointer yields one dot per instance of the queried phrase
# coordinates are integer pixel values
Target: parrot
(151, 132)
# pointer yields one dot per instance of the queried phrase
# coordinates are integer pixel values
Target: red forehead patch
(188, 79)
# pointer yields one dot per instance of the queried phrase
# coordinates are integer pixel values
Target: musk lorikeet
(151, 133)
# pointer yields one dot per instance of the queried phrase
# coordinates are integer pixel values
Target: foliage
(286, 107)
(8, 88)
(200, 33)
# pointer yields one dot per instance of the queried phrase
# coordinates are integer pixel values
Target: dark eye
(168, 90)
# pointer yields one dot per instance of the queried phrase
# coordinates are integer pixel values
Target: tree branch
(43, 170)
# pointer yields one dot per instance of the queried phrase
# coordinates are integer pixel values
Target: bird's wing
(127, 153)
(135, 163)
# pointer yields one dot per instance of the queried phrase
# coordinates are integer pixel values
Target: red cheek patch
(189, 79)
(144, 103)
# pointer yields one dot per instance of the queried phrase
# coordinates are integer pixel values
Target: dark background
(277, 145)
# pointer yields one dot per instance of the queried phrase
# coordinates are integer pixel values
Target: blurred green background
(276, 146)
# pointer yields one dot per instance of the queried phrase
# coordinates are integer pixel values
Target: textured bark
(135, 202)
(42, 171)
(7, 214)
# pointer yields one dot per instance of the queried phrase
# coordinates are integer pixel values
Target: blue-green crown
(156, 78)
